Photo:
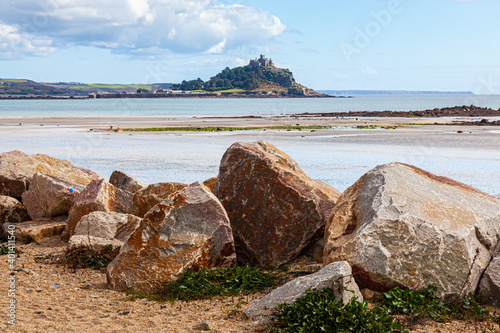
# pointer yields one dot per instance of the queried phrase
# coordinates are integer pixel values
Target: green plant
(86, 256)
(321, 311)
(4, 249)
(426, 304)
(206, 283)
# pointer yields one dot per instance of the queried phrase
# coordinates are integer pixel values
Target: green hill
(259, 75)
(20, 87)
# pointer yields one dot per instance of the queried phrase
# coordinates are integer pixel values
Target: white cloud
(14, 44)
(128, 26)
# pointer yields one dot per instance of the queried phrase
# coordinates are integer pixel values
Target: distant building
(262, 62)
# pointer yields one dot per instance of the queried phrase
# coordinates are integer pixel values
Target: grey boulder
(399, 225)
(336, 276)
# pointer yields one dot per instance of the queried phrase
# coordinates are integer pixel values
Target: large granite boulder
(399, 225)
(98, 229)
(11, 210)
(276, 210)
(99, 195)
(336, 276)
(124, 181)
(17, 170)
(49, 196)
(39, 230)
(148, 197)
(190, 229)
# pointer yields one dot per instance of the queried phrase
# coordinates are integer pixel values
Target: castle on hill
(262, 62)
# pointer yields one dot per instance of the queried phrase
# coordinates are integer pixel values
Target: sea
(225, 107)
(338, 159)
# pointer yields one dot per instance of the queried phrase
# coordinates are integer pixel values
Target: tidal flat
(336, 151)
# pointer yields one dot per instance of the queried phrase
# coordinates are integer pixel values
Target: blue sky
(327, 44)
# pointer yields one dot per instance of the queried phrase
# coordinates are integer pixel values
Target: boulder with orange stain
(399, 225)
(190, 229)
(147, 198)
(276, 210)
(17, 170)
(99, 195)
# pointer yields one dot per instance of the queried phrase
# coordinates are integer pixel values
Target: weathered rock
(124, 181)
(497, 195)
(489, 286)
(147, 198)
(99, 229)
(11, 210)
(276, 211)
(17, 170)
(99, 195)
(210, 183)
(336, 276)
(38, 230)
(402, 226)
(190, 229)
(49, 196)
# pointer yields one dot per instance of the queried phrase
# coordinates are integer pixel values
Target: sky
(443, 45)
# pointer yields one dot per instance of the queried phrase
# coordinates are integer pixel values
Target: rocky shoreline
(456, 111)
(398, 225)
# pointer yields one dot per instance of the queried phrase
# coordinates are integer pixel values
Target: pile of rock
(396, 226)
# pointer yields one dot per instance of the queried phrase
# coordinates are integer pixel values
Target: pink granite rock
(99, 195)
(49, 196)
(276, 210)
(17, 170)
(190, 229)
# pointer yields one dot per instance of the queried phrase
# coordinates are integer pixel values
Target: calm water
(235, 107)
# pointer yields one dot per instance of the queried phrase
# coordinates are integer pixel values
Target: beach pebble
(56, 286)
(38, 290)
